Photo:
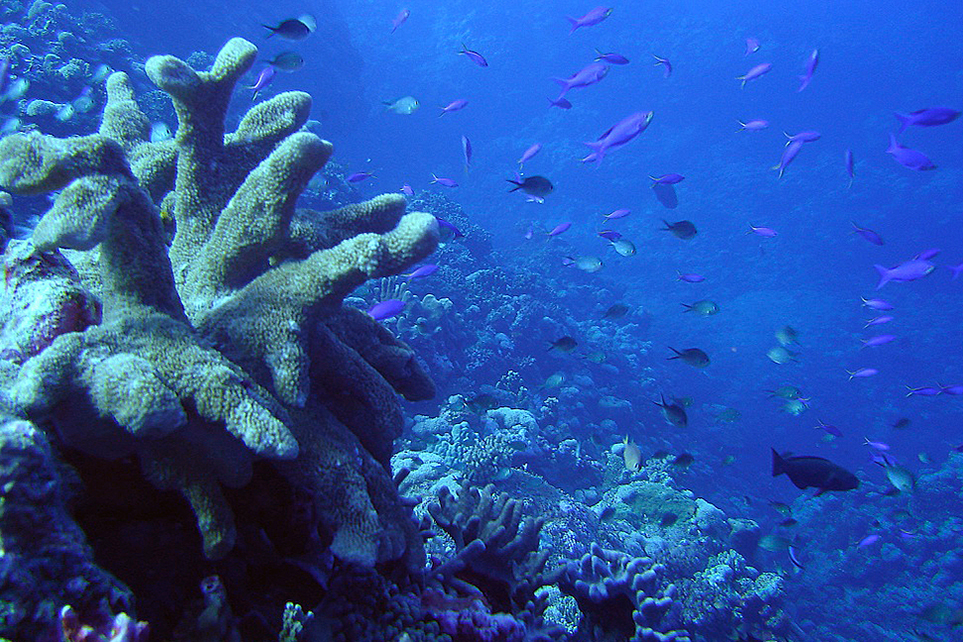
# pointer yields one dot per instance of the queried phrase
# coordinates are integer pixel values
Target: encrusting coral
(231, 344)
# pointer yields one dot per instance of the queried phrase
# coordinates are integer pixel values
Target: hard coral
(232, 345)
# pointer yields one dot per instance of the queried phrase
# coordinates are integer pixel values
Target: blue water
(875, 58)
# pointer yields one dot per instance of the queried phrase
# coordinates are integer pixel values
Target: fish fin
(575, 24)
(598, 153)
(778, 463)
(270, 34)
(884, 276)
(515, 183)
(903, 121)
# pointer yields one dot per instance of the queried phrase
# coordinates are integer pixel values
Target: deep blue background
(875, 58)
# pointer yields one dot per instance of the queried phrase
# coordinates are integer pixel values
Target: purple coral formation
(622, 596)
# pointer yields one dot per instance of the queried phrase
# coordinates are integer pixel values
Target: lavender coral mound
(620, 595)
(226, 346)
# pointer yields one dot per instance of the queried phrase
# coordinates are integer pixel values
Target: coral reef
(620, 597)
(45, 561)
(231, 345)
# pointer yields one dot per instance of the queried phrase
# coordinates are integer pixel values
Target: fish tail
(516, 184)
(903, 121)
(884, 276)
(270, 34)
(575, 24)
(778, 463)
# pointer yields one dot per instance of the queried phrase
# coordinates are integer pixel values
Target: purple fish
(850, 166)
(875, 445)
(454, 105)
(956, 389)
(805, 137)
(765, 232)
(907, 157)
(447, 230)
(611, 58)
(386, 309)
(590, 19)
(263, 80)
(444, 182)
(399, 19)
(622, 213)
(610, 235)
(558, 229)
(868, 234)
(755, 72)
(752, 125)
(923, 391)
(877, 340)
(406, 190)
(666, 65)
(926, 255)
(561, 103)
(878, 304)
(927, 117)
(668, 179)
(529, 154)
(880, 320)
(869, 540)
(752, 46)
(690, 278)
(956, 270)
(788, 155)
(357, 177)
(589, 75)
(466, 151)
(862, 373)
(619, 134)
(422, 272)
(474, 56)
(831, 429)
(909, 271)
(810, 70)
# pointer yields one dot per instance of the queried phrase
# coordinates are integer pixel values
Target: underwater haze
(744, 214)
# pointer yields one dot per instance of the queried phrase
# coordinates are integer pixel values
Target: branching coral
(232, 345)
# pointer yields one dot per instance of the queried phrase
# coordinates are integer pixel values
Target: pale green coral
(191, 335)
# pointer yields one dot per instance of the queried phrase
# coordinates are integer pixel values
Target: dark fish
(684, 230)
(481, 404)
(535, 185)
(780, 507)
(683, 461)
(673, 413)
(788, 522)
(901, 423)
(564, 344)
(666, 195)
(668, 520)
(814, 472)
(294, 29)
(692, 356)
(616, 311)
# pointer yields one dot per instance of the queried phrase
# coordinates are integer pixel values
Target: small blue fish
(611, 58)
(666, 65)
(386, 309)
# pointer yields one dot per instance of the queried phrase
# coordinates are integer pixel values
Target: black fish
(617, 310)
(683, 461)
(565, 344)
(684, 230)
(481, 404)
(535, 185)
(293, 29)
(666, 195)
(673, 413)
(815, 472)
